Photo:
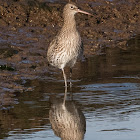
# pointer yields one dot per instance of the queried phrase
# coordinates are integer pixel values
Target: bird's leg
(65, 79)
(65, 96)
(71, 95)
(70, 78)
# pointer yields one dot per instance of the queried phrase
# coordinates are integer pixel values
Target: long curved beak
(84, 12)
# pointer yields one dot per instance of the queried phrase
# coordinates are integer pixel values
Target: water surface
(106, 88)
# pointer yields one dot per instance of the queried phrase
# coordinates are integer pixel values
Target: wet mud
(28, 26)
(112, 21)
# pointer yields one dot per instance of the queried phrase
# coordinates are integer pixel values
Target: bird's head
(72, 9)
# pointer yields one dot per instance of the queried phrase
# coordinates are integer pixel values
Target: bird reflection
(67, 121)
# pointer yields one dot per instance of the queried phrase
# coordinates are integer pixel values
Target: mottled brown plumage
(66, 46)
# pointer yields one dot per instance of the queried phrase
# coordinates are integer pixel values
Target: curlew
(66, 47)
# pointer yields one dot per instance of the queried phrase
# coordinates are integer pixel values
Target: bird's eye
(72, 7)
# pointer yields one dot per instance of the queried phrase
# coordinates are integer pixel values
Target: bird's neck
(69, 23)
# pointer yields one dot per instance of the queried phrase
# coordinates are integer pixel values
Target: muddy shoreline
(112, 22)
(28, 26)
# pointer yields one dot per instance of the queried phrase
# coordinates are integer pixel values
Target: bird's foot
(71, 85)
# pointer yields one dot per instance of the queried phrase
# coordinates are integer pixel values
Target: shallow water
(106, 88)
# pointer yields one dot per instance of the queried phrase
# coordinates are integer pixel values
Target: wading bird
(66, 47)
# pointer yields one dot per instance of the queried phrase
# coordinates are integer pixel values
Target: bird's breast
(73, 42)
(65, 49)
